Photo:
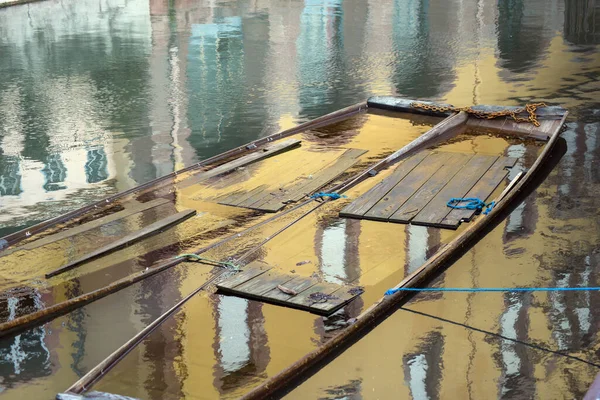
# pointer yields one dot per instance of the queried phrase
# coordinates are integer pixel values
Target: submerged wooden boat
(245, 215)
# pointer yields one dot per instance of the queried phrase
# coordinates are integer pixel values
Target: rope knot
(472, 203)
(332, 195)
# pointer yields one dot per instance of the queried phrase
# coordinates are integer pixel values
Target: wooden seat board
(418, 190)
(482, 190)
(430, 189)
(436, 210)
(365, 202)
(262, 283)
(396, 198)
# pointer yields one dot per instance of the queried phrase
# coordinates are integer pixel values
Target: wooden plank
(434, 212)
(405, 189)
(76, 230)
(340, 297)
(297, 284)
(482, 189)
(365, 202)
(268, 151)
(240, 198)
(150, 230)
(427, 192)
(250, 271)
(307, 186)
(303, 299)
(263, 283)
(257, 196)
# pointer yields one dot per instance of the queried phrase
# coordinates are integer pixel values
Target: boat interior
(271, 210)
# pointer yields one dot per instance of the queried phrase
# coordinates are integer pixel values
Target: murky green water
(99, 96)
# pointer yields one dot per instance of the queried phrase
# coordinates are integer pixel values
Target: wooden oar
(150, 230)
(101, 369)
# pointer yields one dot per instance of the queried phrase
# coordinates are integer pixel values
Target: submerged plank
(482, 190)
(132, 238)
(271, 150)
(272, 201)
(250, 271)
(406, 188)
(132, 209)
(270, 286)
(430, 189)
(365, 202)
(434, 212)
(93, 395)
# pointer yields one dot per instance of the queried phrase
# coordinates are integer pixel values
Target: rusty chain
(529, 108)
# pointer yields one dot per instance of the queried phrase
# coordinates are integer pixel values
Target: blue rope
(332, 196)
(473, 203)
(525, 289)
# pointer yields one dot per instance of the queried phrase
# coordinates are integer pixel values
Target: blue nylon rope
(472, 203)
(332, 196)
(525, 289)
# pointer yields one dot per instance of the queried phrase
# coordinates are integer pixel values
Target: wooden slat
(257, 196)
(365, 202)
(272, 202)
(342, 296)
(132, 209)
(482, 189)
(303, 300)
(271, 150)
(263, 283)
(250, 271)
(150, 230)
(428, 191)
(407, 187)
(242, 198)
(434, 212)
(297, 284)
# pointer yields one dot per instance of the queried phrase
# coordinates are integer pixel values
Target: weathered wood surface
(259, 281)
(435, 211)
(365, 203)
(127, 240)
(260, 198)
(131, 209)
(482, 189)
(411, 183)
(420, 196)
(259, 155)
(453, 164)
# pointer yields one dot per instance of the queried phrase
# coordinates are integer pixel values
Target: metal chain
(529, 108)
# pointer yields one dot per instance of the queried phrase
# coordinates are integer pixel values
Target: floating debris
(293, 271)
(321, 297)
(355, 291)
(303, 262)
(287, 290)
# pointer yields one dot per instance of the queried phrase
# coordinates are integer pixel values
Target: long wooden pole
(310, 363)
(101, 369)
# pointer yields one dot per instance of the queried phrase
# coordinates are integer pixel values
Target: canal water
(100, 96)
